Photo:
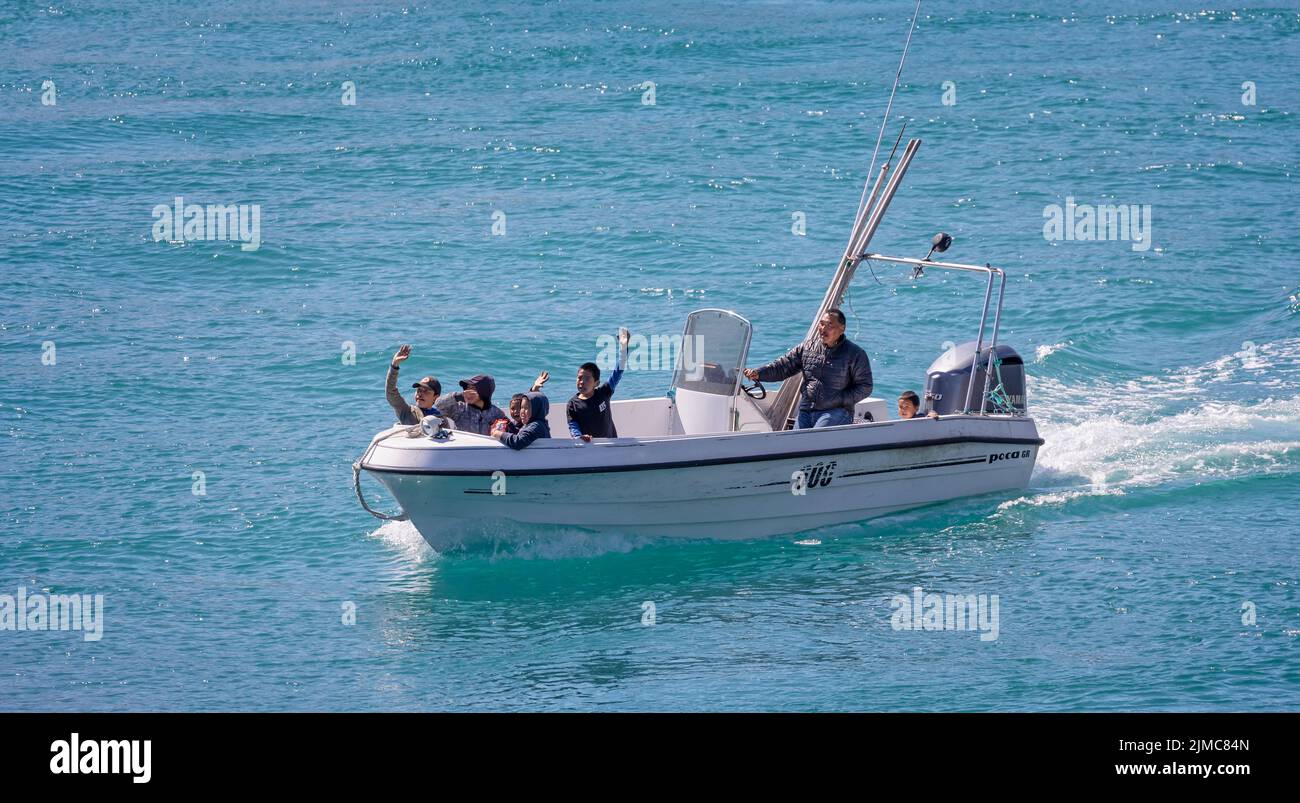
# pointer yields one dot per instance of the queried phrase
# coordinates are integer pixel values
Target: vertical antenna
(890, 106)
(864, 225)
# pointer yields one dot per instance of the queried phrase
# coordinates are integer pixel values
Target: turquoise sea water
(1162, 513)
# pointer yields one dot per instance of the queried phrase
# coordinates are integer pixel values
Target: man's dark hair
(591, 368)
(836, 315)
(912, 397)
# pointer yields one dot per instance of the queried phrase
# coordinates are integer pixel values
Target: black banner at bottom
(309, 751)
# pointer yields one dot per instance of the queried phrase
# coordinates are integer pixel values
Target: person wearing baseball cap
(471, 409)
(427, 391)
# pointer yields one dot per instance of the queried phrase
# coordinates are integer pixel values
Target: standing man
(836, 374)
(589, 410)
(427, 391)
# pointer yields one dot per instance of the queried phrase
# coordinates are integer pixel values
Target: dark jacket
(835, 377)
(536, 427)
(406, 413)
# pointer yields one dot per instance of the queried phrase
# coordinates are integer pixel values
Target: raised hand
(540, 380)
(402, 353)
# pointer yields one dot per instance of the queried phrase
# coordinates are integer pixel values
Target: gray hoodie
(466, 416)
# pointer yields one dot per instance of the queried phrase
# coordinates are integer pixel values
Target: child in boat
(512, 424)
(532, 422)
(909, 404)
(589, 410)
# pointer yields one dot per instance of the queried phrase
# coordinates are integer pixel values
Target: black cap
(483, 384)
(430, 383)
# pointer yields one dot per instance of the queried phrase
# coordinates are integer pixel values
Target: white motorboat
(715, 459)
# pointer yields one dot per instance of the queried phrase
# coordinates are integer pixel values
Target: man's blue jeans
(811, 419)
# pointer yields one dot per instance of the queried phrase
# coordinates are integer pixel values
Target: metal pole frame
(993, 345)
(779, 411)
(992, 273)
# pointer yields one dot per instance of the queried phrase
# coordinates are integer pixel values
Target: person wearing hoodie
(513, 424)
(472, 410)
(532, 422)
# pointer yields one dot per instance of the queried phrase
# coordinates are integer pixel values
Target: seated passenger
(427, 391)
(589, 411)
(909, 404)
(472, 410)
(532, 422)
(513, 424)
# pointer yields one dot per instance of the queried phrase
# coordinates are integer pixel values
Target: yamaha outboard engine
(948, 379)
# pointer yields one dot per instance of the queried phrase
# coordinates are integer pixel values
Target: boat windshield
(713, 351)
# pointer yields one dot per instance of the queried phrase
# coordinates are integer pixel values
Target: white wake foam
(1046, 350)
(505, 539)
(1115, 437)
(403, 537)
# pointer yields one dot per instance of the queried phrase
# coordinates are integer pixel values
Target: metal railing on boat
(992, 273)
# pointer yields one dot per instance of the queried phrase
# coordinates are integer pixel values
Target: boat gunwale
(702, 462)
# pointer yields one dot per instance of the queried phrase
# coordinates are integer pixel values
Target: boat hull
(729, 486)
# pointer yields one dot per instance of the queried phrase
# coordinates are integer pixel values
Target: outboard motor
(949, 377)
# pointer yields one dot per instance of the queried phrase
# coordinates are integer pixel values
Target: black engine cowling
(948, 378)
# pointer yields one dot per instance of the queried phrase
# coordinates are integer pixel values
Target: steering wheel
(757, 386)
